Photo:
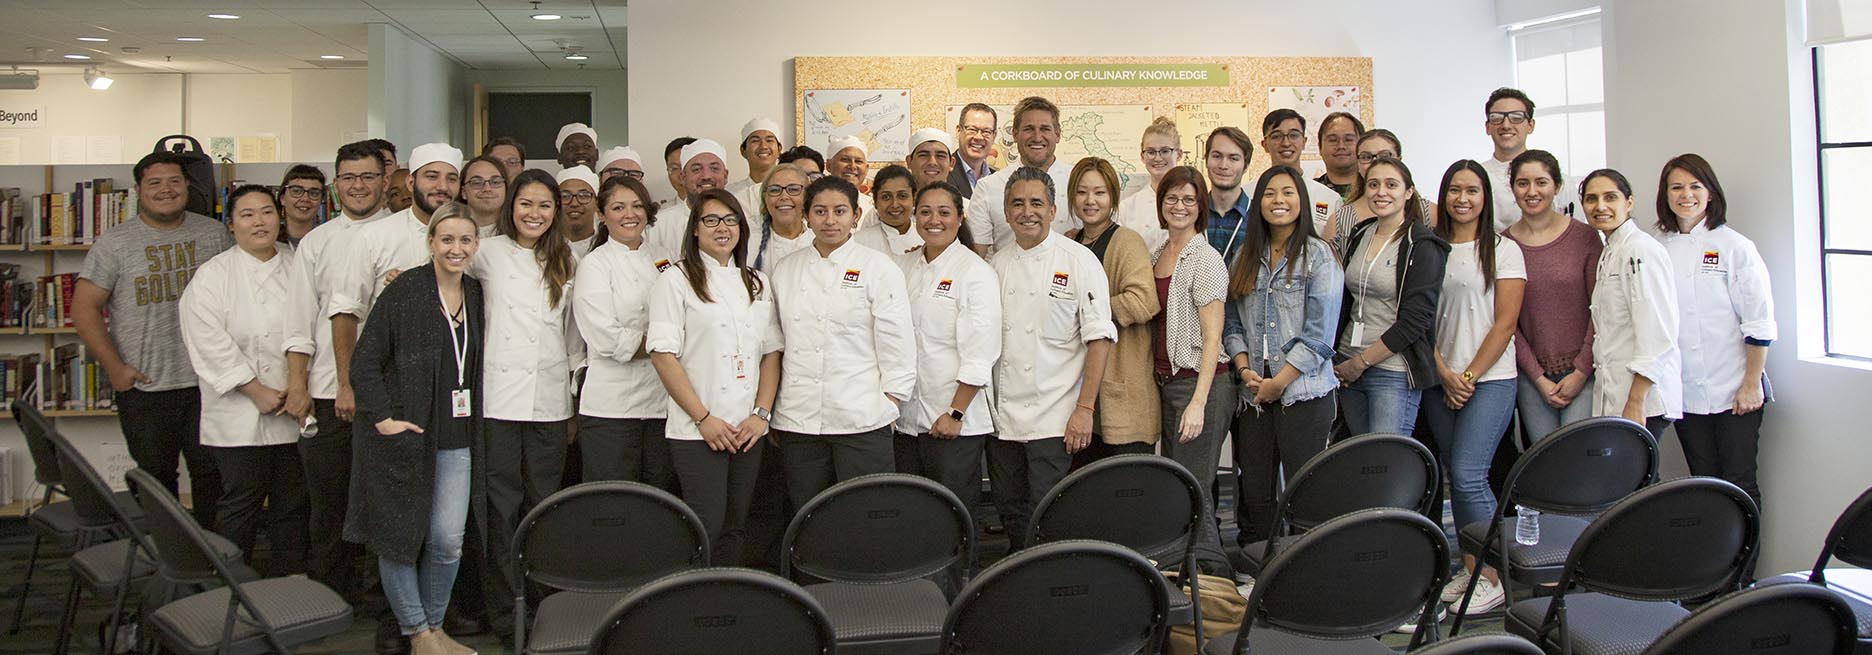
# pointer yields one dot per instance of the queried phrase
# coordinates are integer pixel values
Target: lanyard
(458, 346)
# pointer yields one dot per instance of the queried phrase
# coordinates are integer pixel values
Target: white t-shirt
(1466, 308)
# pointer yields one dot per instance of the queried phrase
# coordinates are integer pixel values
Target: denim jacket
(1290, 322)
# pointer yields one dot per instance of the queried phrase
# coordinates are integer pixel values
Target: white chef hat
(702, 146)
(918, 137)
(843, 142)
(757, 125)
(575, 128)
(430, 153)
(580, 173)
(618, 154)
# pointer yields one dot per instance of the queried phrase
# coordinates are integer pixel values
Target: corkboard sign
(882, 99)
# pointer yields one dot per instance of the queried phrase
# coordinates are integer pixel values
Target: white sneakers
(1452, 592)
(1488, 594)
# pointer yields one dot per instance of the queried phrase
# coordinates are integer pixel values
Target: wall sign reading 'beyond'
(992, 76)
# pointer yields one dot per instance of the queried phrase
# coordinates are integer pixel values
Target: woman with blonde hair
(1161, 150)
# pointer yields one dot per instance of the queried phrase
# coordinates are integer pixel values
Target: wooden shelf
(69, 247)
(12, 247)
(53, 330)
(80, 413)
(13, 331)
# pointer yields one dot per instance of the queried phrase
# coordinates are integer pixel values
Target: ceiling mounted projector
(96, 79)
(19, 80)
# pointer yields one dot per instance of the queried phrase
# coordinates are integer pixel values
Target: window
(1557, 63)
(1843, 108)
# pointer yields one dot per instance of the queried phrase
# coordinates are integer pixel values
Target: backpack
(1222, 610)
(199, 168)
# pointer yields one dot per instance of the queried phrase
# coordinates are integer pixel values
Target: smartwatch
(955, 414)
(763, 414)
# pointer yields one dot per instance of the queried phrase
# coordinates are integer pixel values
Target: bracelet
(1239, 370)
(705, 416)
(1085, 407)
(1361, 360)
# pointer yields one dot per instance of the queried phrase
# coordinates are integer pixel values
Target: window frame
(1821, 146)
(1556, 111)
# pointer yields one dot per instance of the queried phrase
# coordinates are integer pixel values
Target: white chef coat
(886, 239)
(1507, 213)
(488, 231)
(672, 225)
(1054, 300)
(1326, 202)
(1138, 211)
(987, 215)
(582, 247)
(1635, 317)
(778, 247)
(955, 304)
(234, 325)
(1466, 307)
(719, 344)
(740, 189)
(1723, 293)
(398, 242)
(322, 267)
(611, 306)
(849, 342)
(526, 372)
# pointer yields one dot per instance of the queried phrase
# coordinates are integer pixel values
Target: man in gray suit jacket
(975, 131)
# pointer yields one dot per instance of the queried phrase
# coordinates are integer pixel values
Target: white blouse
(955, 304)
(719, 343)
(234, 325)
(532, 348)
(611, 306)
(849, 343)
(1055, 299)
(1634, 315)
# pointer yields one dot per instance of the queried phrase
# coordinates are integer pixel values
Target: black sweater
(1420, 283)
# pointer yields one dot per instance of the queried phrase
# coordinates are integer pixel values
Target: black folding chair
(1075, 597)
(1481, 644)
(1677, 540)
(716, 610)
(1570, 476)
(1338, 587)
(1147, 503)
(58, 522)
(1806, 619)
(238, 618)
(1364, 472)
(875, 540)
(594, 543)
(1850, 540)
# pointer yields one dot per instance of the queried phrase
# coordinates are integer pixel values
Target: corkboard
(932, 84)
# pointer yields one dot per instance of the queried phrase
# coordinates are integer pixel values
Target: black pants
(631, 449)
(719, 486)
(815, 462)
(326, 458)
(1098, 450)
(953, 463)
(264, 484)
(1723, 446)
(1023, 472)
(1270, 446)
(768, 513)
(161, 427)
(525, 463)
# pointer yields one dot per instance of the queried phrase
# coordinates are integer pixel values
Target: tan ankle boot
(448, 643)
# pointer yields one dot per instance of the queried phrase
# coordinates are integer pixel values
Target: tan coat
(1127, 406)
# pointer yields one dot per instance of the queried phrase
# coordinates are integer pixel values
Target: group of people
(375, 379)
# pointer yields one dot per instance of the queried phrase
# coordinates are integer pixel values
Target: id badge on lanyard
(461, 399)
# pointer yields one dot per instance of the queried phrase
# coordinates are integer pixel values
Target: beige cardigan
(1127, 404)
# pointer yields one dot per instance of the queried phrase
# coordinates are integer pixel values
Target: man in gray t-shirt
(136, 271)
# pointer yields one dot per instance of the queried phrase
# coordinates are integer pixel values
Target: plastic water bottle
(1527, 526)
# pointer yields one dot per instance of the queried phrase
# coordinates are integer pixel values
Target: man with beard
(401, 240)
(577, 144)
(1225, 154)
(760, 148)
(1339, 133)
(930, 159)
(1037, 135)
(137, 271)
(578, 201)
(301, 193)
(975, 129)
(703, 166)
(1284, 136)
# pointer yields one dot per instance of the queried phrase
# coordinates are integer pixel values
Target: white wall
(329, 107)
(704, 67)
(609, 93)
(1664, 59)
(417, 95)
(139, 108)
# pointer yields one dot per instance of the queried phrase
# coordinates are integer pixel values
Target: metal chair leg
(67, 618)
(19, 606)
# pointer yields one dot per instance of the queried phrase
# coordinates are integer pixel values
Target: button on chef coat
(1634, 315)
(1054, 301)
(234, 325)
(848, 341)
(611, 305)
(398, 242)
(322, 266)
(719, 343)
(987, 217)
(1725, 300)
(531, 347)
(955, 304)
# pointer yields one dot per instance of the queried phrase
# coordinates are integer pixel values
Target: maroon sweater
(1555, 331)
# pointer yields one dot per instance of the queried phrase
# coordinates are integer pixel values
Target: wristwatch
(955, 414)
(762, 413)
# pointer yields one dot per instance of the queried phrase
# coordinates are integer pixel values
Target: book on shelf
(18, 375)
(75, 381)
(52, 298)
(16, 297)
(78, 216)
(13, 207)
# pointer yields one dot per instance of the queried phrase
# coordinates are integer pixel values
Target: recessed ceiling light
(190, 39)
(93, 39)
(224, 16)
(80, 57)
(331, 56)
(576, 57)
(547, 17)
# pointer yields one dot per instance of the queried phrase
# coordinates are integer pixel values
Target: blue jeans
(420, 597)
(1466, 439)
(1538, 419)
(1380, 401)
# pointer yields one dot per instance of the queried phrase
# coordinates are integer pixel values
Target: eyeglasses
(977, 131)
(295, 191)
(569, 197)
(478, 183)
(358, 178)
(713, 220)
(1160, 153)
(1186, 201)
(1369, 157)
(776, 190)
(609, 173)
(1513, 117)
(1289, 136)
